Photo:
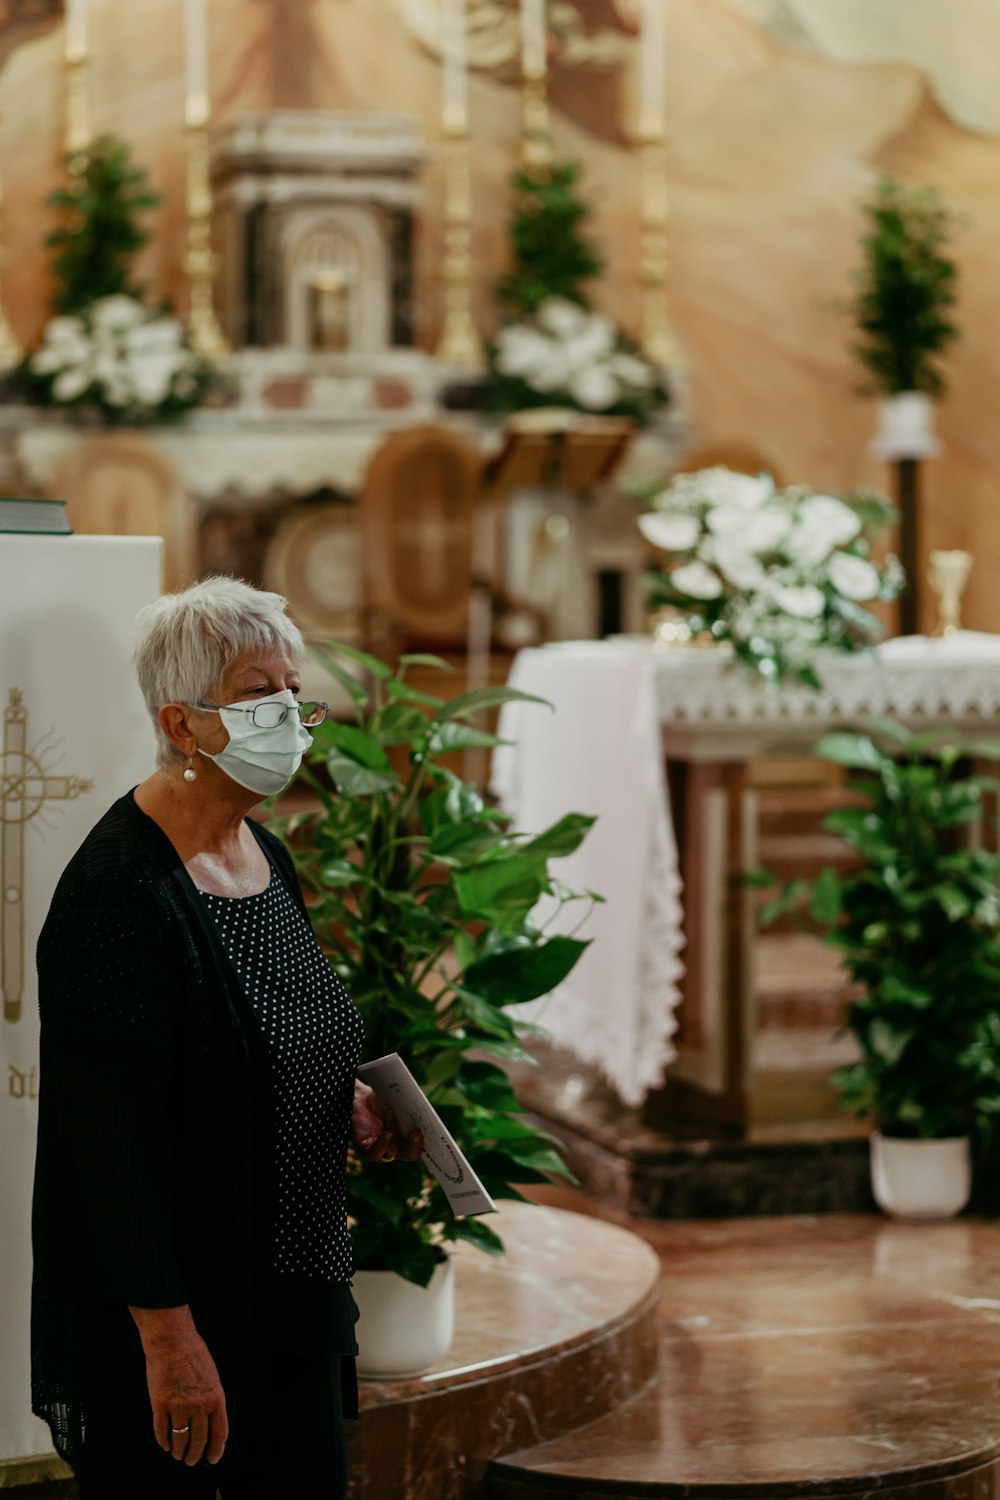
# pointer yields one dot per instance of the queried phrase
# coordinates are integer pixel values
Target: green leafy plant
(906, 289)
(101, 232)
(425, 903)
(917, 922)
(550, 254)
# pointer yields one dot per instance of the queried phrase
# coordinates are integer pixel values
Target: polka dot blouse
(313, 1033)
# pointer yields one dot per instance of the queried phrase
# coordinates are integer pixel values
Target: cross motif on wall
(25, 788)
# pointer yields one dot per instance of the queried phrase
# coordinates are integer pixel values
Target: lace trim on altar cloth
(909, 678)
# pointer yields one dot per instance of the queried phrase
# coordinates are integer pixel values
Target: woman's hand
(377, 1132)
(185, 1393)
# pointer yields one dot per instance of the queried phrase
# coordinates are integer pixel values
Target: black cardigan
(154, 1180)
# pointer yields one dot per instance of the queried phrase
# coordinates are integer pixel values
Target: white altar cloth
(620, 706)
(599, 753)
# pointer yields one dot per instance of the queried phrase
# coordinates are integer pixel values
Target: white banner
(75, 736)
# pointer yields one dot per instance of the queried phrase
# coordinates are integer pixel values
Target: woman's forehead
(270, 664)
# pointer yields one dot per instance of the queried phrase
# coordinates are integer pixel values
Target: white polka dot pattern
(313, 1032)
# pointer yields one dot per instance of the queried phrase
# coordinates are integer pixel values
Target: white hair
(187, 642)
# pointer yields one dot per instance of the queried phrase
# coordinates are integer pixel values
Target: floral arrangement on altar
(552, 349)
(567, 355)
(130, 364)
(105, 351)
(778, 574)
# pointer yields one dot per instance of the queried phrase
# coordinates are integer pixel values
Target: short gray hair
(187, 642)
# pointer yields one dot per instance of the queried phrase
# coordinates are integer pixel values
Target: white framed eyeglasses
(270, 715)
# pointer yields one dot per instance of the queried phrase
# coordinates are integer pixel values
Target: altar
(667, 1004)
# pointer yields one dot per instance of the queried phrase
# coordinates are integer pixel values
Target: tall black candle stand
(908, 502)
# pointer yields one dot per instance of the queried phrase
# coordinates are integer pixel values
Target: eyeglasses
(270, 715)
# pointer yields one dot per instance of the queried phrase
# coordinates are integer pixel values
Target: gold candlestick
(460, 343)
(207, 338)
(536, 138)
(79, 131)
(949, 573)
(659, 342)
(11, 352)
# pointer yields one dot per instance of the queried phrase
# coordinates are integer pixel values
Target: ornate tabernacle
(315, 228)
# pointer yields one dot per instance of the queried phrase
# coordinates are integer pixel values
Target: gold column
(460, 343)
(79, 131)
(207, 338)
(11, 352)
(659, 342)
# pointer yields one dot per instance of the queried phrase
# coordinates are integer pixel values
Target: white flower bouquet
(569, 356)
(779, 574)
(132, 365)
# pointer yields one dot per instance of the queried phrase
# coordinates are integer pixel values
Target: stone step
(561, 1330)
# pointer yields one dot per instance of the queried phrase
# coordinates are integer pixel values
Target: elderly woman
(192, 1322)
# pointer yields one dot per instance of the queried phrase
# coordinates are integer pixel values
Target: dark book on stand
(34, 516)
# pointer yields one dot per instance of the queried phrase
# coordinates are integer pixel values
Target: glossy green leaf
(483, 698)
(524, 973)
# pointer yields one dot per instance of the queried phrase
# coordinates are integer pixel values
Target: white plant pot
(906, 427)
(921, 1179)
(403, 1329)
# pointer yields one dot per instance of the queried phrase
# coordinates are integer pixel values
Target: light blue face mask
(262, 758)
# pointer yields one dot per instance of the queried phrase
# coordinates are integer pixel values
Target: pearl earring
(190, 774)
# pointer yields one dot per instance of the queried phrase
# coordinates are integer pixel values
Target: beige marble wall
(782, 112)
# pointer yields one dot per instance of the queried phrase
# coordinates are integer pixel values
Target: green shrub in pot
(426, 904)
(917, 923)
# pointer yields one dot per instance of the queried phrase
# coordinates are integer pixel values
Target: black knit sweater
(154, 1182)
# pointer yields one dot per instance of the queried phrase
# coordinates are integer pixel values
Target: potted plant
(905, 292)
(917, 922)
(424, 901)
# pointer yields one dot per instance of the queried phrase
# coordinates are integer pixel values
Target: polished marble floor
(802, 1356)
(826, 1355)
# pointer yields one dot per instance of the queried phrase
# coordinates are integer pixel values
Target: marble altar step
(840, 1357)
(561, 1331)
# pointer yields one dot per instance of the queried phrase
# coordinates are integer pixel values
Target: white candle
(196, 57)
(652, 67)
(453, 51)
(76, 26)
(533, 36)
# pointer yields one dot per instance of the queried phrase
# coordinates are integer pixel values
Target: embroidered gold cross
(25, 788)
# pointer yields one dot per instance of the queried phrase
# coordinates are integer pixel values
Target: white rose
(756, 531)
(520, 350)
(151, 376)
(594, 387)
(696, 581)
(633, 371)
(804, 602)
(71, 383)
(822, 523)
(594, 341)
(853, 576)
(738, 565)
(672, 533)
(561, 317)
(116, 312)
(743, 491)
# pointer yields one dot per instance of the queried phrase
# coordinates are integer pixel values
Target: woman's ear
(173, 718)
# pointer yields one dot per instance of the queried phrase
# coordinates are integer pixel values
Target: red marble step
(836, 1357)
(561, 1331)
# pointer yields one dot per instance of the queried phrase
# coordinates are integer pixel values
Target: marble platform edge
(718, 1180)
(505, 1481)
(375, 1394)
(443, 1438)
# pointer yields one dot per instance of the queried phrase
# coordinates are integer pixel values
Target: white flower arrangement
(779, 574)
(130, 364)
(570, 356)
